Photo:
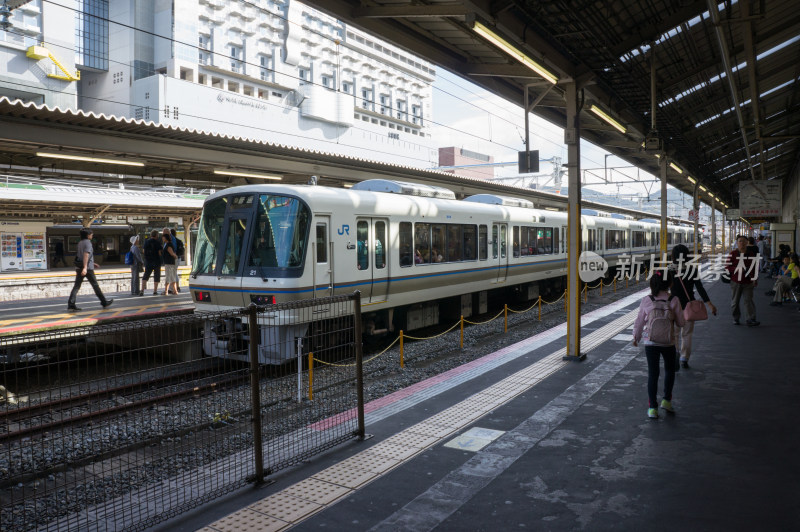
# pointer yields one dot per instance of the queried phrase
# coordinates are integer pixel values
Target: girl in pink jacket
(658, 315)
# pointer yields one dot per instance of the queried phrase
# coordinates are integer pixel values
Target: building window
(327, 81)
(416, 114)
(402, 110)
(366, 98)
(236, 56)
(303, 74)
(91, 34)
(347, 87)
(385, 103)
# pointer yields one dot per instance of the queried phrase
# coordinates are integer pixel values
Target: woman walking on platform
(170, 264)
(686, 280)
(658, 314)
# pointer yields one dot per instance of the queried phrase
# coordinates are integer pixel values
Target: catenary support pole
(572, 136)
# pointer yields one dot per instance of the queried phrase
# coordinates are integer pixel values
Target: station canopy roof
(726, 77)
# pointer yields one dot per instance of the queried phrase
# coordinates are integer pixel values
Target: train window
(422, 243)
(669, 239)
(209, 235)
(470, 251)
(495, 241)
(524, 241)
(455, 243)
(638, 239)
(503, 240)
(438, 244)
(362, 239)
(322, 243)
(234, 247)
(563, 239)
(544, 240)
(380, 245)
(280, 232)
(515, 241)
(555, 240)
(406, 247)
(483, 248)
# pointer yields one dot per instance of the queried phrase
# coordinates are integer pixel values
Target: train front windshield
(266, 234)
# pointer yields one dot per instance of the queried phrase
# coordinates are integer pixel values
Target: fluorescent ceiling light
(87, 159)
(248, 174)
(675, 167)
(703, 188)
(691, 179)
(513, 51)
(607, 119)
(347, 185)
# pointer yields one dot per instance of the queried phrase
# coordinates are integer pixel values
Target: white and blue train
(416, 253)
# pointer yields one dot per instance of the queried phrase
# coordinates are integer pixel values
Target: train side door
(500, 249)
(372, 236)
(322, 257)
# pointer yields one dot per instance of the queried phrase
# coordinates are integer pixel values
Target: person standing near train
(84, 267)
(136, 264)
(152, 261)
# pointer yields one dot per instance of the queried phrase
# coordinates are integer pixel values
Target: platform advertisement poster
(11, 252)
(34, 252)
(760, 198)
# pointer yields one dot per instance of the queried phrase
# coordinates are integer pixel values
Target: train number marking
(344, 230)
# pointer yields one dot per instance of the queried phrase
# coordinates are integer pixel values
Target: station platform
(47, 314)
(112, 278)
(520, 439)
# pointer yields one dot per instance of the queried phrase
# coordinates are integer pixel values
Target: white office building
(270, 70)
(37, 53)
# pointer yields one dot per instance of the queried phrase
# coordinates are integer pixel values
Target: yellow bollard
(505, 315)
(540, 308)
(565, 299)
(601, 288)
(626, 281)
(462, 331)
(586, 293)
(615, 285)
(311, 376)
(401, 349)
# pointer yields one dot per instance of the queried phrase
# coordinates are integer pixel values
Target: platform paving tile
(285, 506)
(317, 491)
(248, 520)
(345, 476)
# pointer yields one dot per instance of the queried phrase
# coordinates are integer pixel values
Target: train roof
(396, 197)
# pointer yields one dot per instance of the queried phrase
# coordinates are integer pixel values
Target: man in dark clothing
(84, 267)
(743, 269)
(179, 249)
(152, 261)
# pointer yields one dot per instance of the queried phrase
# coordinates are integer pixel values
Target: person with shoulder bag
(693, 310)
(659, 313)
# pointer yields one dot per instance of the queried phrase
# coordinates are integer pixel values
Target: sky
(466, 116)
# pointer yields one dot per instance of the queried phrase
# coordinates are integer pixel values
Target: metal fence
(120, 427)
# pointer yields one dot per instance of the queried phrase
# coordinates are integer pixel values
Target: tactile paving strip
(317, 491)
(345, 476)
(246, 520)
(369, 461)
(285, 507)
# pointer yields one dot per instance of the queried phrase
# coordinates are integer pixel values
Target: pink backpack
(659, 321)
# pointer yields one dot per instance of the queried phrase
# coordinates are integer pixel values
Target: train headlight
(261, 299)
(202, 297)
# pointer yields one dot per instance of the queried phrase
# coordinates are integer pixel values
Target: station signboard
(733, 214)
(760, 198)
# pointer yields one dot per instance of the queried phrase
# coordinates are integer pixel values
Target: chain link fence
(120, 427)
